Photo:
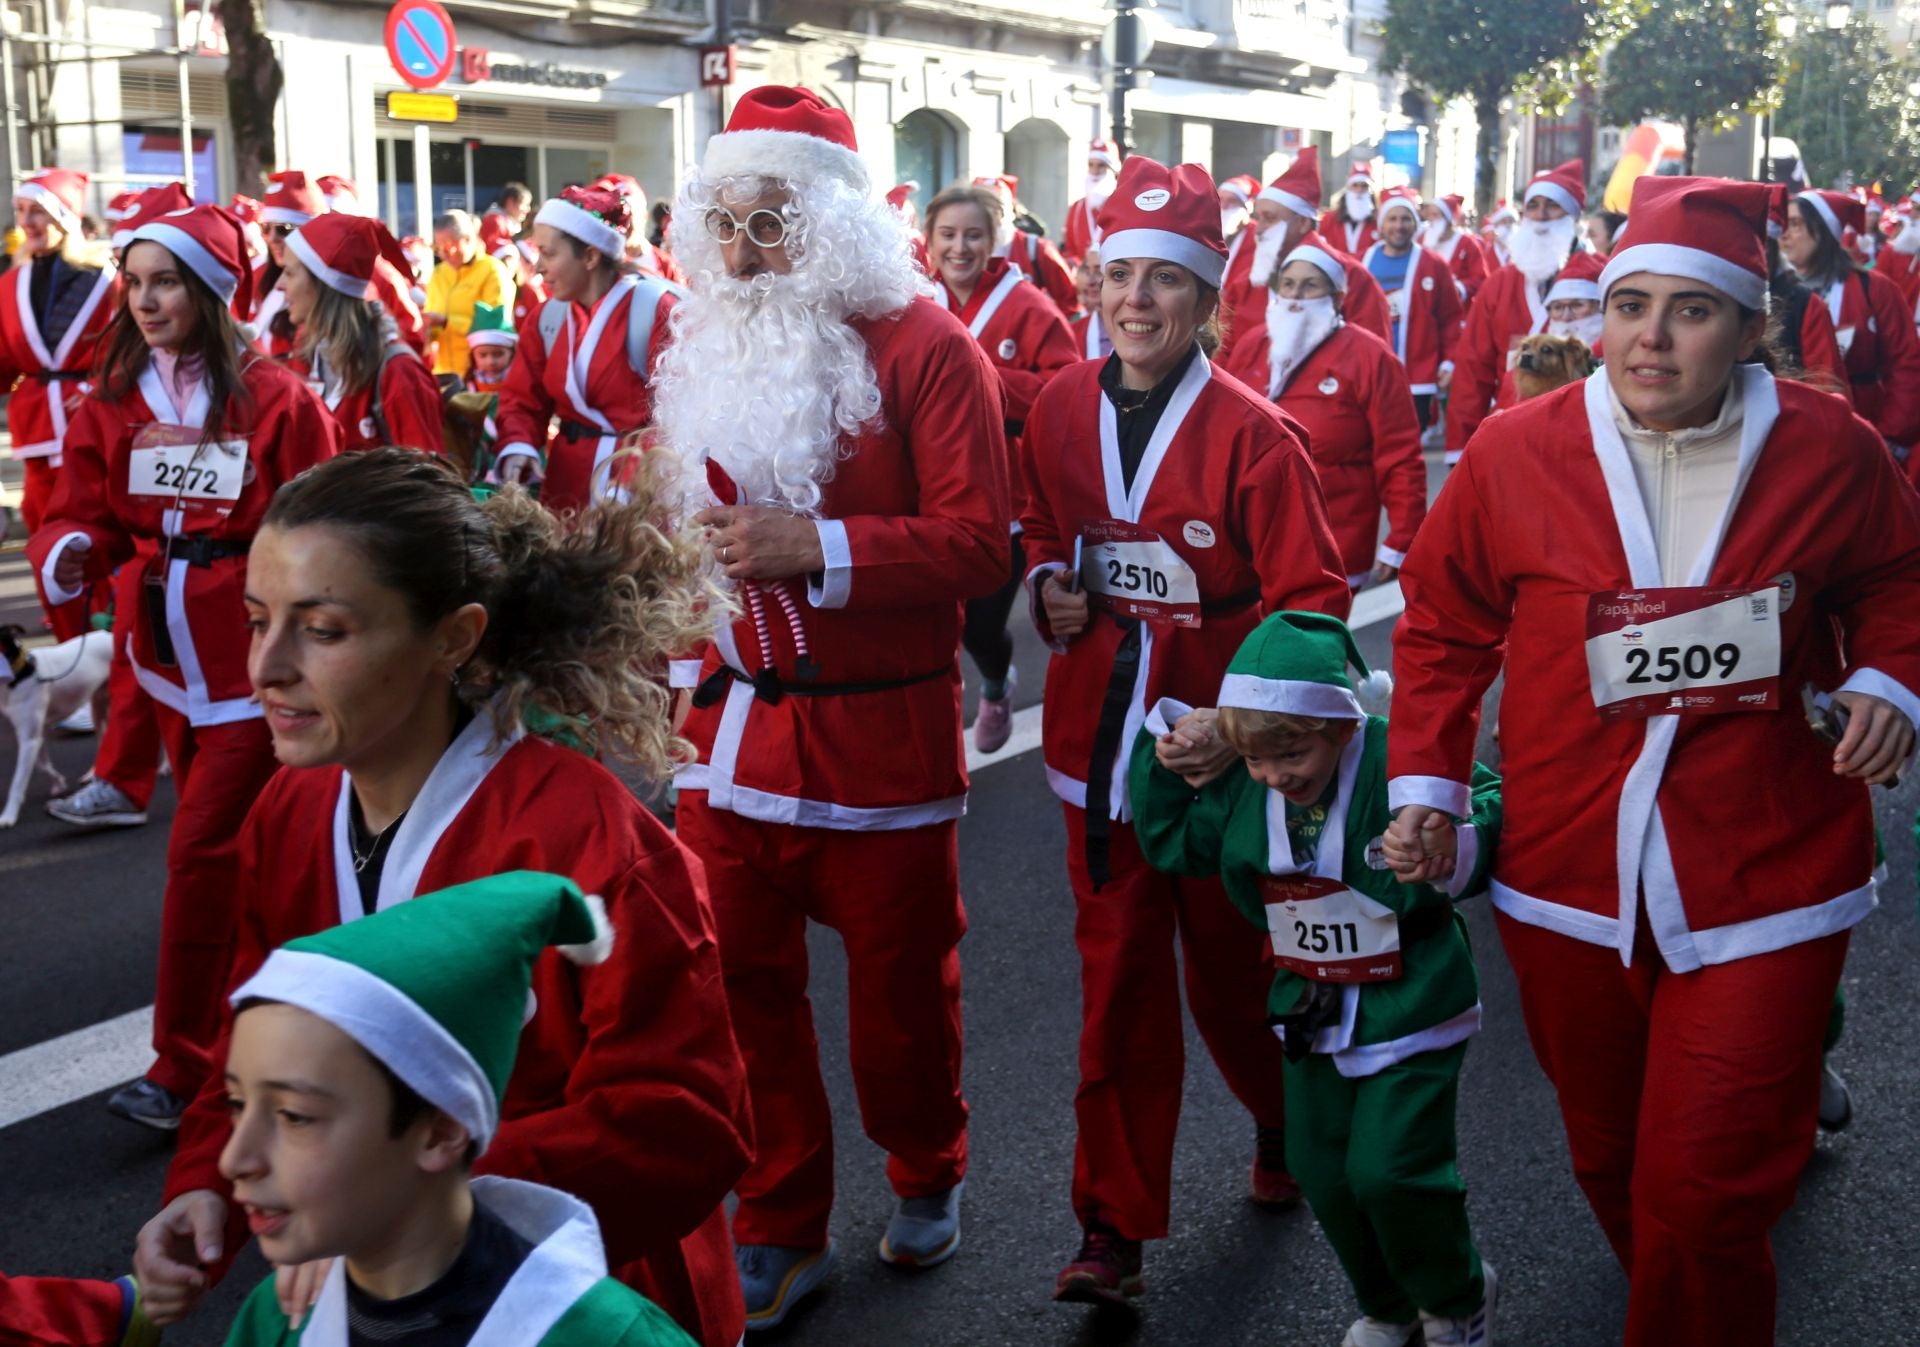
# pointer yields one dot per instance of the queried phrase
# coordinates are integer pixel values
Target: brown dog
(1546, 363)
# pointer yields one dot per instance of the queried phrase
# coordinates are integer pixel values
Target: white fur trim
(789, 156)
(189, 250)
(1331, 269)
(494, 336)
(1436, 792)
(1748, 288)
(1555, 193)
(61, 212)
(1398, 203)
(599, 949)
(1192, 254)
(1375, 692)
(1299, 205)
(1565, 289)
(1831, 220)
(575, 222)
(353, 287)
(1290, 697)
(283, 215)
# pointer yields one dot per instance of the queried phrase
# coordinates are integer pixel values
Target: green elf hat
(437, 989)
(492, 326)
(1298, 664)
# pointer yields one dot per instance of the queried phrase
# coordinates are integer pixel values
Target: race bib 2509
(1686, 651)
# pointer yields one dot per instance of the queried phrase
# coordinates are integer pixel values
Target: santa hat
(246, 208)
(1711, 230)
(436, 989)
(341, 194)
(492, 326)
(342, 251)
(1105, 152)
(1361, 175)
(1315, 249)
(788, 134)
(900, 194)
(1838, 211)
(210, 242)
(1503, 212)
(120, 203)
(1303, 664)
(1449, 206)
(1172, 214)
(1298, 189)
(496, 238)
(1244, 186)
(1777, 194)
(60, 192)
(293, 200)
(1578, 279)
(597, 217)
(1404, 198)
(628, 187)
(1565, 185)
(149, 205)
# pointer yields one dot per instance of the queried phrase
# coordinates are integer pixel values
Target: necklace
(380, 839)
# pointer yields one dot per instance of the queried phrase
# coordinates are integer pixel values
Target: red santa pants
(58, 1312)
(129, 754)
(218, 770)
(695, 1282)
(1132, 1043)
(894, 899)
(1689, 1102)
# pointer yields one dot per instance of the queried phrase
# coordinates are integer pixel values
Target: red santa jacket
(1874, 324)
(394, 289)
(1734, 825)
(1466, 258)
(41, 405)
(1903, 269)
(111, 493)
(1342, 233)
(1351, 396)
(528, 296)
(1043, 265)
(914, 521)
(1090, 340)
(628, 1090)
(1077, 236)
(1508, 308)
(586, 381)
(62, 1311)
(1428, 308)
(1244, 304)
(1023, 335)
(408, 413)
(1821, 362)
(1226, 482)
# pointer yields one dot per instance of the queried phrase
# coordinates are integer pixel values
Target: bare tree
(254, 81)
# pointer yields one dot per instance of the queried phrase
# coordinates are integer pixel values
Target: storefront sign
(423, 107)
(1402, 149)
(477, 66)
(420, 42)
(716, 67)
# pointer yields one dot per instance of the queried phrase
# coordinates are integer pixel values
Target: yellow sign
(423, 107)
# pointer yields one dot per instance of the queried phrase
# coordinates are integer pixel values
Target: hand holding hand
(1421, 845)
(297, 1286)
(1194, 749)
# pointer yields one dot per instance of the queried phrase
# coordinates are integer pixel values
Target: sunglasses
(281, 231)
(764, 228)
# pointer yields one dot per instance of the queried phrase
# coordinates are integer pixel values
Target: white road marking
(53, 1074)
(1378, 604)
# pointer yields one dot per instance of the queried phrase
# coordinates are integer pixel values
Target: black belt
(580, 430)
(47, 376)
(1870, 377)
(200, 550)
(770, 687)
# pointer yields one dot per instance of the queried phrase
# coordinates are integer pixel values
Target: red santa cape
(1874, 326)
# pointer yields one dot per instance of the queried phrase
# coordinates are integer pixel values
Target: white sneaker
(1379, 1333)
(80, 722)
(98, 804)
(1836, 1100)
(1476, 1330)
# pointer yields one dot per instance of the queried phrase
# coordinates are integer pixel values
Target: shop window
(1037, 155)
(926, 150)
(152, 156)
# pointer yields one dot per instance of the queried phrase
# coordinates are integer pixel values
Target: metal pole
(466, 147)
(12, 115)
(722, 36)
(186, 127)
(1126, 62)
(422, 182)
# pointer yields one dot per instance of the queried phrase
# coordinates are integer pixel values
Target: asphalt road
(78, 927)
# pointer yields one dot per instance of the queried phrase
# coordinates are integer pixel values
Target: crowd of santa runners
(407, 545)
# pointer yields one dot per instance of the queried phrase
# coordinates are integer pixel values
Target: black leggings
(985, 635)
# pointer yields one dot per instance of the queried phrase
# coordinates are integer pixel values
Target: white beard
(1587, 329)
(1503, 232)
(1099, 189)
(1433, 233)
(1541, 247)
(1359, 206)
(1907, 241)
(1295, 329)
(1231, 220)
(1266, 254)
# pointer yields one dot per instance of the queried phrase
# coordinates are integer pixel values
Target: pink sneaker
(993, 723)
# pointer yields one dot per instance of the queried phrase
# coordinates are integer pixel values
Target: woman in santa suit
(348, 349)
(1349, 392)
(587, 354)
(170, 464)
(1872, 319)
(1684, 855)
(1191, 508)
(54, 309)
(398, 700)
(1028, 342)
(293, 202)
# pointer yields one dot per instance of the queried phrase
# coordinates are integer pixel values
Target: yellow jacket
(454, 292)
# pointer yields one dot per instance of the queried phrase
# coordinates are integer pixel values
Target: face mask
(1099, 187)
(1295, 329)
(1504, 231)
(1433, 233)
(1587, 329)
(1359, 206)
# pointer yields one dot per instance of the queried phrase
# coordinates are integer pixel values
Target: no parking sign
(420, 42)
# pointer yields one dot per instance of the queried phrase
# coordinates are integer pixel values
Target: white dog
(44, 687)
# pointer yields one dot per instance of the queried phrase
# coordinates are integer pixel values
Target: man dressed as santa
(1421, 299)
(1465, 255)
(848, 432)
(1349, 223)
(1236, 206)
(1103, 168)
(1513, 303)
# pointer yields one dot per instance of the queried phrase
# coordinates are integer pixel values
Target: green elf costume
(1375, 992)
(437, 990)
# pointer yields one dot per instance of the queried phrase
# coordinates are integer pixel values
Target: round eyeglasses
(763, 228)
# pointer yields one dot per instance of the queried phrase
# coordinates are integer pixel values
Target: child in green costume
(1375, 992)
(365, 1074)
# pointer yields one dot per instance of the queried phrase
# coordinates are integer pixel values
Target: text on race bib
(1326, 932)
(1684, 651)
(164, 462)
(1134, 572)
